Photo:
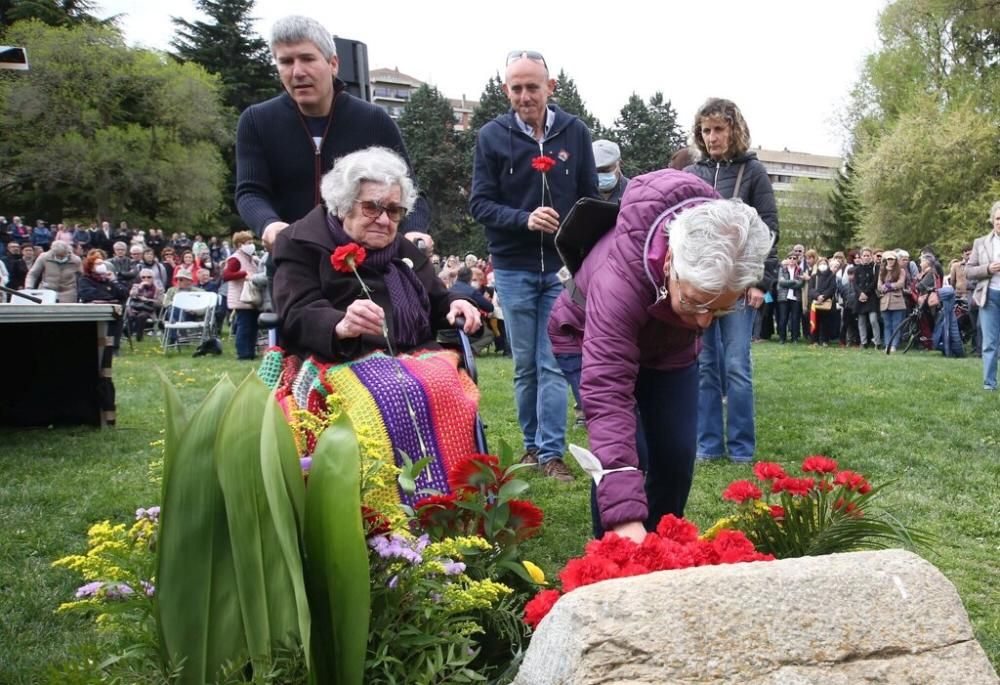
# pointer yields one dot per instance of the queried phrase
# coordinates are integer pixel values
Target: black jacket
(755, 190)
(866, 281)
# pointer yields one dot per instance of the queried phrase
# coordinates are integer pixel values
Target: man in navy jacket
(286, 144)
(531, 165)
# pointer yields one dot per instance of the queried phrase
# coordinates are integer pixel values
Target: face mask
(62, 260)
(823, 267)
(606, 181)
(248, 248)
(101, 269)
(475, 284)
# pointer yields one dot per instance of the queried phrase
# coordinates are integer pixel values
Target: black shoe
(530, 457)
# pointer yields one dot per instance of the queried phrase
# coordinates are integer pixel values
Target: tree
(804, 213)
(229, 47)
(930, 180)
(103, 131)
(51, 12)
(492, 103)
(648, 134)
(441, 167)
(568, 99)
(844, 220)
(924, 118)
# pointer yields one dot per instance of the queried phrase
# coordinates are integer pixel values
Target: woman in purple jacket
(678, 258)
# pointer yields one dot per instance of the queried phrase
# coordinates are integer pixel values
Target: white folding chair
(44, 294)
(190, 319)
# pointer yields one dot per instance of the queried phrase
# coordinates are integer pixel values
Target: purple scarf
(411, 321)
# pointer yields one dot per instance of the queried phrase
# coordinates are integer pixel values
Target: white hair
(297, 29)
(60, 248)
(720, 245)
(994, 209)
(900, 254)
(341, 185)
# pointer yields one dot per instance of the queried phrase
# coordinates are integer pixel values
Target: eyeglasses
(373, 210)
(890, 259)
(697, 308)
(515, 55)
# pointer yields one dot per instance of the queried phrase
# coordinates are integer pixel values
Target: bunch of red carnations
(826, 510)
(675, 544)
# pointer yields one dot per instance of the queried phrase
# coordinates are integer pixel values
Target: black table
(56, 364)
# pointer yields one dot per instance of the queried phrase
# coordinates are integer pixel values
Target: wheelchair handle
(468, 358)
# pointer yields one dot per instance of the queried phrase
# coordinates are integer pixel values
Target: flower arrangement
(262, 575)
(824, 511)
(675, 544)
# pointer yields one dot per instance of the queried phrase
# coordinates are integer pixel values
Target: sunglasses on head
(373, 210)
(515, 55)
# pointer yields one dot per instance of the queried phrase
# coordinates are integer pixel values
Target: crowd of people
(140, 270)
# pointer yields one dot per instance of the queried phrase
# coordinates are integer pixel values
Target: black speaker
(354, 70)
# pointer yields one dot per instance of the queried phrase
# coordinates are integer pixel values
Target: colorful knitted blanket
(418, 406)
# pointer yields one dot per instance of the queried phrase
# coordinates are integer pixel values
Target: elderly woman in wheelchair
(360, 308)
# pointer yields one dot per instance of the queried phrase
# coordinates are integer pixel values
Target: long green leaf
(337, 558)
(266, 591)
(198, 615)
(284, 487)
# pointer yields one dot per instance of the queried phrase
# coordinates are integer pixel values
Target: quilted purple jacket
(625, 327)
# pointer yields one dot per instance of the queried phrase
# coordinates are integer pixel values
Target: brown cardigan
(311, 298)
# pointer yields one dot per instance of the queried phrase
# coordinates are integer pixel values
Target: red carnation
(740, 491)
(777, 512)
(818, 464)
(348, 258)
(476, 471)
(852, 481)
(375, 522)
(539, 607)
(768, 470)
(613, 547)
(525, 519)
(678, 530)
(794, 486)
(438, 510)
(733, 547)
(542, 163)
(851, 508)
(587, 571)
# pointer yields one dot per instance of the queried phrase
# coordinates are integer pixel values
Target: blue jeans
(246, 333)
(730, 338)
(891, 318)
(664, 440)
(989, 321)
(571, 366)
(789, 315)
(539, 386)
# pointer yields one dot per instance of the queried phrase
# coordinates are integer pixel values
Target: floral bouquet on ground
(674, 545)
(825, 511)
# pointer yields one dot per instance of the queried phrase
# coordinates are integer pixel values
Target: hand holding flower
(544, 219)
(363, 317)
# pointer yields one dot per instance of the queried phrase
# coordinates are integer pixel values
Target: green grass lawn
(919, 419)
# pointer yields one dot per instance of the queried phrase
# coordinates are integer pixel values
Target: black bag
(586, 223)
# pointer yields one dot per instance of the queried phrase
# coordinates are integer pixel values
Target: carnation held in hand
(675, 544)
(830, 511)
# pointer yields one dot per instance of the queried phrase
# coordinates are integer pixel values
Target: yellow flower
(537, 575)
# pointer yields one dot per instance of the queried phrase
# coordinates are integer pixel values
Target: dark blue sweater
(506, 189)
(276, 175)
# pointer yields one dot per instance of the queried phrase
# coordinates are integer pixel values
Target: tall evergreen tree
(228, 46)
(842, 224)
(568, 98)
(647, 133)
(441, 168)
(492, 103)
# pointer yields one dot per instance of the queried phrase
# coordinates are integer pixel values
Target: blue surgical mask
(606, 181)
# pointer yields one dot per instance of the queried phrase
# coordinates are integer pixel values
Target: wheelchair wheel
(903, 337)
